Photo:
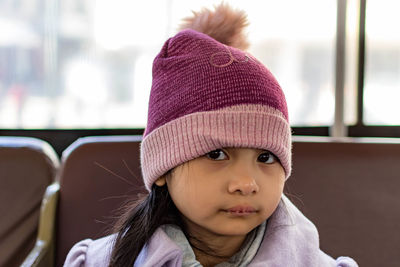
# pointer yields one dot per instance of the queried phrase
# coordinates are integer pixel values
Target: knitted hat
(207, 95)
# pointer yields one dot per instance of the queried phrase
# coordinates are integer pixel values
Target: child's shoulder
(90, 252)
(159, 251)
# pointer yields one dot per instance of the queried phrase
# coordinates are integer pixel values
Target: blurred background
(86, 64)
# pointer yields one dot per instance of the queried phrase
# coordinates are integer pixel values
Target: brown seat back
(27, 167)
(350, 189)
(98, 174)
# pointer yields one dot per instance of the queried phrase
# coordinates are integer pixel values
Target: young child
(215, 156)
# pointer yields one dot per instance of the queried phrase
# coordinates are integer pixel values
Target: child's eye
(267, 157)
(217, 154)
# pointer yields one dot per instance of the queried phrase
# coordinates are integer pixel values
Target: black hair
(139, 223)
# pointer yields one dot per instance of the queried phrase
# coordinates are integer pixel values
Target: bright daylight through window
(87, 63)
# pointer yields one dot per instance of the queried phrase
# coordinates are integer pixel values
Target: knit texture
(194, 73)
(206, 95)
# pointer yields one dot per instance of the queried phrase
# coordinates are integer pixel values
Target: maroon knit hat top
(207, 95)
(193, 73)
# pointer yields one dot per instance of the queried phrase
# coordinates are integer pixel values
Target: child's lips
(241, 210)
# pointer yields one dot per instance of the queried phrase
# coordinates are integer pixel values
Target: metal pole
(361, 64)
(339, 128)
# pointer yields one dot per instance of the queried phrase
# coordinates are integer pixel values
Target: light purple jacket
(290, 240)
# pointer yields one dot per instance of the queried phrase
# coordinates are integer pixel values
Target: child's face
(228, 191)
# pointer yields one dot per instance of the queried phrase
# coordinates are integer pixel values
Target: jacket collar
(160, 251)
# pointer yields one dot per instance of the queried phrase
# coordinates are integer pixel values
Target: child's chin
(235, 229)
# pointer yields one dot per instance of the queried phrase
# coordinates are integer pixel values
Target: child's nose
(243, 184)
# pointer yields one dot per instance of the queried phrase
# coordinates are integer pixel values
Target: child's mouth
(241, 210)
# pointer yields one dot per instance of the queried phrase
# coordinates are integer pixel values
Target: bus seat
(350, 189)
(97, 176)
(347, 187)
(27, 166)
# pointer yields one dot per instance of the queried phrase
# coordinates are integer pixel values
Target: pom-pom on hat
(207, 95)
